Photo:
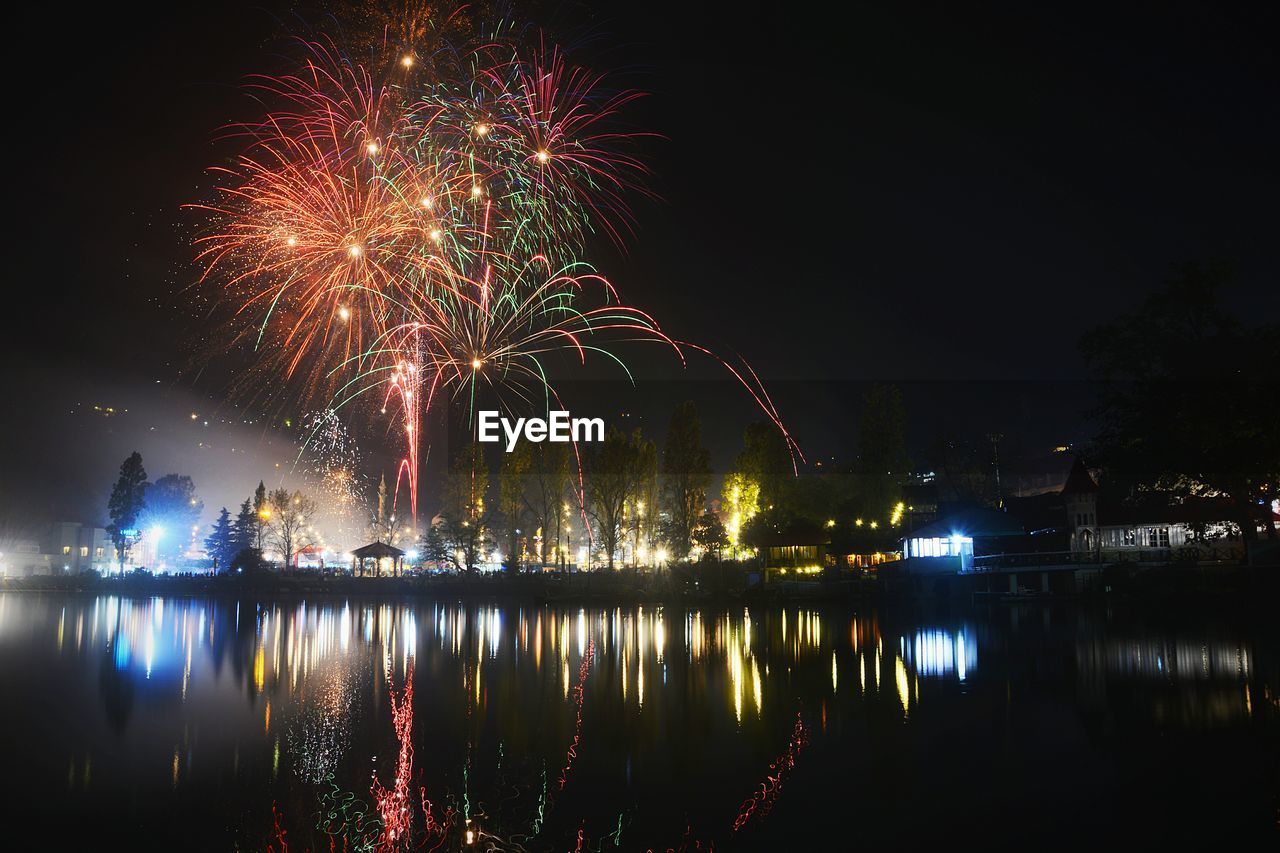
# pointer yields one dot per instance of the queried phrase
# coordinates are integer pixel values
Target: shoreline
(1152, 586)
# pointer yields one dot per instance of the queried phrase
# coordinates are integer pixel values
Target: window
(84, 550)
(66, 550)
(97, 552)
(1130, 537)
(1164, 537)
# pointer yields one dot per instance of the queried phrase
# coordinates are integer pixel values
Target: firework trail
(405, 234)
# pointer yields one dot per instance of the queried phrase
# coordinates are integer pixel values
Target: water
(203, 724)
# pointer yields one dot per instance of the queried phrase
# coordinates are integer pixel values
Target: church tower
(1081, 497)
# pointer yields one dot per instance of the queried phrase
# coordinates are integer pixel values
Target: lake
(346, 724)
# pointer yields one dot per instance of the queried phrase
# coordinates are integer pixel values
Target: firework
(396, 236)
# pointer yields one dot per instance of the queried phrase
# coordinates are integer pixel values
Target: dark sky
(897, 191)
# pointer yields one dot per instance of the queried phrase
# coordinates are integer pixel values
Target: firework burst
(392, 239)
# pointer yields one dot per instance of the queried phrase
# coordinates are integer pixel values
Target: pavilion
(377, 551)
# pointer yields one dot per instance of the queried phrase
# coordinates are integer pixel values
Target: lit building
(949, 545)
(796, 555)
(1195, 527)
(66, 547)
(74, 548)
(22, 558)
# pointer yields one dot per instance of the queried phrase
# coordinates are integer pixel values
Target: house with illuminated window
(74, 548)
(798, 554)
(1192, 528)
(949, 545)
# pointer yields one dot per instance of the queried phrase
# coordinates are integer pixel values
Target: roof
(1079, 481)
(978, 523)
(377, 549)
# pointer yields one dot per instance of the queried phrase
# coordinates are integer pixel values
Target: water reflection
(267, 701)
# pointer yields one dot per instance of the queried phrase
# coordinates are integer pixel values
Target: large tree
(1188, 402)
(512, 482)
(548, 483)
(221, 542)
(644, 503)
(172, 514)
(289, 527)
(882, 447)
(464, 527)
(128, 499)
(740, 500)
(261, 510)
(244, 532)
(613, 476)
(710, 535)
(766, 461)
(686, 473)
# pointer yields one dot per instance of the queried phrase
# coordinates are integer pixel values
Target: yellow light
(436, 234)
(291, 241)
(476, 190)
(428, 202)
(372, 148)
(543, 156)
(476, 364)
(354, 251)
(344, 312)
(482, 129)
(407, 62)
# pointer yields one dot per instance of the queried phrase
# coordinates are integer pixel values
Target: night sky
(919, 193)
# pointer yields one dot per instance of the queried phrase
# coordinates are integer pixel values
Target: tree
(221, 543)
(548, 482)
(260, 510)
(244, 531)
(128, 499)
(1188, 403)
(686, 473)
(644, 502)
(766, 461)
(511, 499)
(882, 446)
(710, 534)
(740, 497)
(464, 528)
(434, 549)
(612, 470)
(172, 513)
(289, 523)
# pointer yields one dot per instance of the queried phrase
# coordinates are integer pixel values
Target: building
(64, 547)
(380, 555)
(22, 558)
(949, 545)
(74, 548)
(796, 555)
(1195, 528)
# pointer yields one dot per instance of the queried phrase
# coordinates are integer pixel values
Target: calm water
(202, 724)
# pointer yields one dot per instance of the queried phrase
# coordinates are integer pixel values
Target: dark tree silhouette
(128, 499)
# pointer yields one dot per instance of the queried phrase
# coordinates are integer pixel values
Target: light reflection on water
(218, 693)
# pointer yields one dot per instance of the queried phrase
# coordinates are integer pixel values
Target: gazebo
(376, 551)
